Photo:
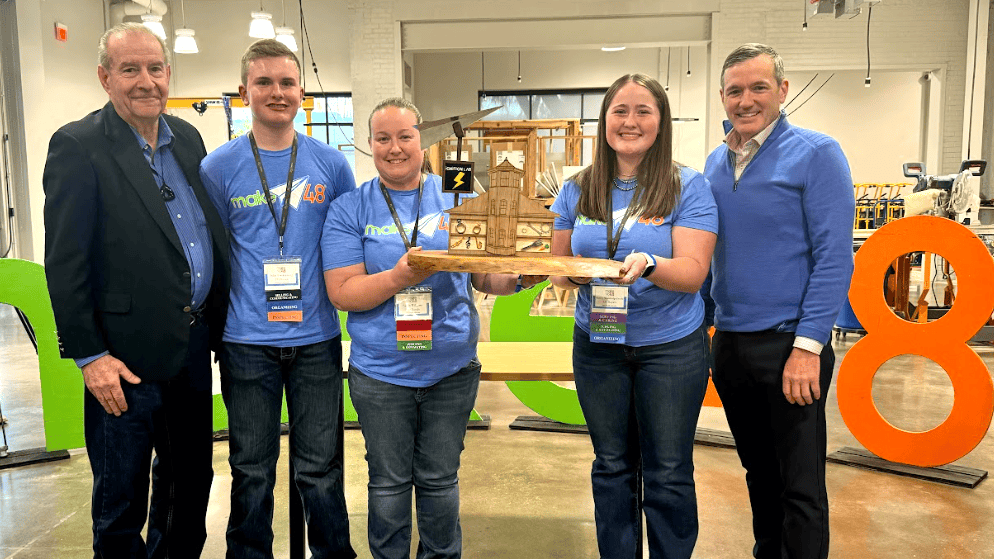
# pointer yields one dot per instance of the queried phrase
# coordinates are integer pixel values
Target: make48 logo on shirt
(301, 190)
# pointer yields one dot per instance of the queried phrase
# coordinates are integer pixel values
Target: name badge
(412, 311)
(608, 312)
(283, 295)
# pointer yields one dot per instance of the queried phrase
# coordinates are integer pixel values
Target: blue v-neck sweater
(784, 254)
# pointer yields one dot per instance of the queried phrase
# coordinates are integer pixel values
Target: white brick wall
(906, 34)
(375, 62)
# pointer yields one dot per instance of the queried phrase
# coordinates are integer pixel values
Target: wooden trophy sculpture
(502, 230)
(501, 221)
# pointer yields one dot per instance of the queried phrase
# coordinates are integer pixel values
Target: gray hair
(119, 30)
(267, 48)
(398, 102)
(749, 51)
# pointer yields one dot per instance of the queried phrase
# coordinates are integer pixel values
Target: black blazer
(117, 275)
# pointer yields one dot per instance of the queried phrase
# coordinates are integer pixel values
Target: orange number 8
(943, 341)
(319, 193)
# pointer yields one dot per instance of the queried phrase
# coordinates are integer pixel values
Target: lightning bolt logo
(458, 179)
(296, 191)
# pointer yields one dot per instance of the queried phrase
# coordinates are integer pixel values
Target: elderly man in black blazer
(137, 266)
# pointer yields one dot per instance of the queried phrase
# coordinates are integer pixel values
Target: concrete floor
(527, 495)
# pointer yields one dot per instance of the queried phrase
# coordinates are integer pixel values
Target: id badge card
(412, 311)
(283, 296)
(608, 312)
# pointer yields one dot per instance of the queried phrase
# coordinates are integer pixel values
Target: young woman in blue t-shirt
(640, 352)
(413, 371)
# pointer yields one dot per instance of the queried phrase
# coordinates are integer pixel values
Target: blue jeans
(414, 437)
(174, 418)
(641, 405)
(253, 379)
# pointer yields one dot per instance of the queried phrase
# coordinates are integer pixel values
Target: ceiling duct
(838, 8)
(817, 8)
(851, 8)
(120, 10)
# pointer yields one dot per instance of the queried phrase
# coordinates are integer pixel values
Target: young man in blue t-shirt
(273, 188)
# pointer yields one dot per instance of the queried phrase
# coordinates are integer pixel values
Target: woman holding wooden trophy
(413, 372)
(640, 351)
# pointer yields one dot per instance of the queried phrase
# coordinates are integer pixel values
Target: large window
(521, 105)
(583, 104)
(331, 122)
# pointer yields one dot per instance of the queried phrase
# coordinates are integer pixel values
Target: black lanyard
(280, 223)
(396, 218)
(614, 237)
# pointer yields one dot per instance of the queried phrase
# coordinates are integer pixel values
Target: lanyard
(396, 218)
(280, 223)
(614, 238)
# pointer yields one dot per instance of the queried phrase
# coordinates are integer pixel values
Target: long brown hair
(658, 176)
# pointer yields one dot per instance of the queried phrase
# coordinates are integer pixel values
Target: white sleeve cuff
(808, 344)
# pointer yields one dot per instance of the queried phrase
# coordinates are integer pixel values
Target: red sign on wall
(61, 33)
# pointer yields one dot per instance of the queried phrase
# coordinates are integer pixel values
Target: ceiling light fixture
(285, 34)
(154, 23)
(262, 25)
(866, 82)
(483, 74)
(668, 56)
(612, 49)
(185, 41)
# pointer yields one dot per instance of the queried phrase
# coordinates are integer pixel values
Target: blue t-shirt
(360, 229)
(655, 315)
(231, 177)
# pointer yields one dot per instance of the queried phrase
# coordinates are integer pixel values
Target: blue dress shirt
(185, 213)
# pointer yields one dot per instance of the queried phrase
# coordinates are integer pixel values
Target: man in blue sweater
(781, 271)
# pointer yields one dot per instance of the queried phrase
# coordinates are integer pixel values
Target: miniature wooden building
(502, 221)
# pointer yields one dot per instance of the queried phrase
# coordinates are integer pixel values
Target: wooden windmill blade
(434, 131)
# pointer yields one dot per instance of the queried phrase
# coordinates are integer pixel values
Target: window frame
(532, 93)
(326, 124)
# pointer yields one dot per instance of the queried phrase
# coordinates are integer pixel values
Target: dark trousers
(781, 445)
(173, 418)
(253, 381)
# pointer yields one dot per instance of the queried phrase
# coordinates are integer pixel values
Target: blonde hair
(398, 102)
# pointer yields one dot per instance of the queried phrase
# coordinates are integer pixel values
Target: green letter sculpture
(511, 322)
(22, 284)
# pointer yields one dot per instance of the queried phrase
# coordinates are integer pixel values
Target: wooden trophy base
(441, 261)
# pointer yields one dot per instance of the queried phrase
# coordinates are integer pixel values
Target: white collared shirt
(744, 152)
